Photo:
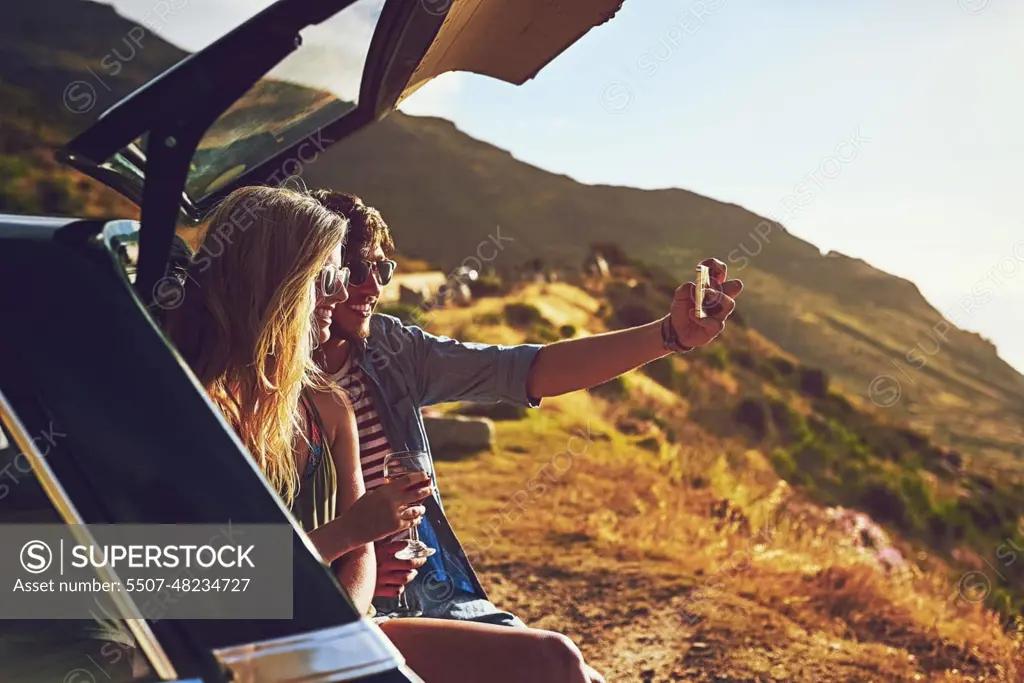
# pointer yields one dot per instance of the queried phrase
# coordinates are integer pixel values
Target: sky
(886, 131)
(894, 129)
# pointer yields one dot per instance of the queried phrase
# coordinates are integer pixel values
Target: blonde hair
(245, 323)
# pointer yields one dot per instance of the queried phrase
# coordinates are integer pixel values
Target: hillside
(444, 192)
(647, 518)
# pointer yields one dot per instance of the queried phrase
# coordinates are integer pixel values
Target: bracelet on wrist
(669, 338)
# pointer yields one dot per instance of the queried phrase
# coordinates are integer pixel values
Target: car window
(73, 651)
(314, 86)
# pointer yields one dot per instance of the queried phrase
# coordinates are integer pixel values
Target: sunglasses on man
(361, 269)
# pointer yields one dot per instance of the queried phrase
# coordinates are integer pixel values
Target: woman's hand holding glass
(389, 508)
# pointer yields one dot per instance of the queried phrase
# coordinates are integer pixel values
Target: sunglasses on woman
(332, 280)
(361, 269)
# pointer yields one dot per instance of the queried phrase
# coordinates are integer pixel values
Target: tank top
(317, 498)
(316, 501)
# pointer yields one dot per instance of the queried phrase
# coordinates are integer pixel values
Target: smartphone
(703, 281)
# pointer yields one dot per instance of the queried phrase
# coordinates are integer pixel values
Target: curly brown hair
(367, 229)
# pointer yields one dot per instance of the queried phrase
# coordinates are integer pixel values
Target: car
(80, 298)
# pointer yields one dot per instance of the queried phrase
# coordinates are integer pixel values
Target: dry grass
(579, 527)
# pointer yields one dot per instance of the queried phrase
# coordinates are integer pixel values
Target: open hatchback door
(141, 443)
(251, 106)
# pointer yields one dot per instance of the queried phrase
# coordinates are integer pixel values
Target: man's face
(352, 318)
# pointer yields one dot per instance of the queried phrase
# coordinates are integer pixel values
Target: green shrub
(12, 168)
(814, 382)
(768, 373)
(488, 319)
(57, 198)
(410, 315)
(486, 285)
(752, 414)
(567, 331)
(917, 500)
(812, 456)
(495, 411)
(883, 503)
(716, 356)
(663, 371)
(744, 359)
(613, 389)
(651, 443)
(635, 314)
(949, 521)
(782, 366)
(683, 383)
(835, 405)
(791, 424)
(614, 254)
(784, 464)
(544, 334)
(523, 315)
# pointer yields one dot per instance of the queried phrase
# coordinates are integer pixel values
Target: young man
(391, 370)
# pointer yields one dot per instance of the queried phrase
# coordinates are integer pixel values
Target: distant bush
(883, 503)
(914, 439)
(567, 331)
(410, 315)
(614, 254)
(12, 168)
(917, 500)
(744, 359)
(949, 522)
(791, 425)
(812, 456)
(835, 405)
(814, 382)
(495, 411)
(752, 414)
(784, 464)
(542, 334)
(782, 366)
(635, 314)
(651, 443)
(57, 197)
(613, 389)
(486, 285)
(715, 356)
(523, 315)
(662, 371)
(489, 319)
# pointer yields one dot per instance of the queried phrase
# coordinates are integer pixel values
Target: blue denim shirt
(409, 369)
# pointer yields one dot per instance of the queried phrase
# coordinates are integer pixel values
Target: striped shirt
(373, 442)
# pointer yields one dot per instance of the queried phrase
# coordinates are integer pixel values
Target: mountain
(445, 194)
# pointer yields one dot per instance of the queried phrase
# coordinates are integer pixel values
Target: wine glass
(397, 465)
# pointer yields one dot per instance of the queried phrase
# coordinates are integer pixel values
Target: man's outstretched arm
(574, 364)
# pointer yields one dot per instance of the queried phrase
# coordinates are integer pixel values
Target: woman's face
(326, 301)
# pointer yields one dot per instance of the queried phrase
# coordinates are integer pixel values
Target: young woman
(253, 312)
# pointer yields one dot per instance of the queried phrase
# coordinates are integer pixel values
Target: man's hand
(719, 303)
(392, 573)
